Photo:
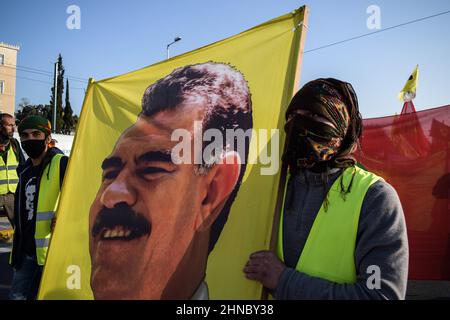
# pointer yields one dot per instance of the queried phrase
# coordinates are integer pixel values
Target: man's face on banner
(148, 211)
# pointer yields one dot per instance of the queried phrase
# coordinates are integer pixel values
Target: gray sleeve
(381, 241)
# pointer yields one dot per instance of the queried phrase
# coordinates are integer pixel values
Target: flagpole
(280, 192)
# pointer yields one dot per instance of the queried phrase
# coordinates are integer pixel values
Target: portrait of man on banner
(155, 219)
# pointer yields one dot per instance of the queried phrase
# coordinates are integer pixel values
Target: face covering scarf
(33, 148)
(317, 123)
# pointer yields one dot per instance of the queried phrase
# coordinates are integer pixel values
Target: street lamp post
(55, 92)
(174, 40)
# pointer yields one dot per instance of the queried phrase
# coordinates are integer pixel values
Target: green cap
(35, 122)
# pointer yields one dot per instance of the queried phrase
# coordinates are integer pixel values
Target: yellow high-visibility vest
(8, 173)
(49, 190)
(329, 252)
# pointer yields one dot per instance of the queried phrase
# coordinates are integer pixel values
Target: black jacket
(16, 255)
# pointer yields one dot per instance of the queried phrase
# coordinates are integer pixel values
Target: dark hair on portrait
(227, 106)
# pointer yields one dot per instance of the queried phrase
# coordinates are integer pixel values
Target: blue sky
(120, 36)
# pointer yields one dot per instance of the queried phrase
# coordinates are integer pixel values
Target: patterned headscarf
(324, 117)
(35, 122)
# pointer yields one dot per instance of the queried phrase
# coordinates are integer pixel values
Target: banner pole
(303, 26)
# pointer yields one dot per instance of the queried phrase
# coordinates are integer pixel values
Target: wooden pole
(302, 29)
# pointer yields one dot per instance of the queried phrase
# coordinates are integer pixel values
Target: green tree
(66, 121)
(27, 109)
(69, 123)
(75, 121)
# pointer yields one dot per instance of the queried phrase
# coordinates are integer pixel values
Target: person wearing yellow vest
(36, 201)
(342, 231)
(11, 157)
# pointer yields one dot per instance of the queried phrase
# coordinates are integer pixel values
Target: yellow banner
(136, 219)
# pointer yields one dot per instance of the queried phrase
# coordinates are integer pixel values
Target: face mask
(33, 148)
(302, 152)
(311, 150)
(315, 140)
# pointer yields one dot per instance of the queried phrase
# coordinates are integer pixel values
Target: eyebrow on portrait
(113, 162)
(155, 156)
